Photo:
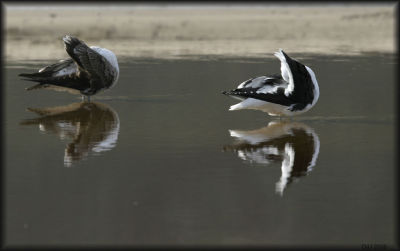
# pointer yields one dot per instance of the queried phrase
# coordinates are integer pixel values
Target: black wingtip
(284, 54)
(70, 39)
(25, 75)
(71, 42)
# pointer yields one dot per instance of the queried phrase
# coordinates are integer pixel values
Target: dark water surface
(159, 159)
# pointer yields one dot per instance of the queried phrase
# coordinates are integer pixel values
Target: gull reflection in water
(294, 144)
(92, 127)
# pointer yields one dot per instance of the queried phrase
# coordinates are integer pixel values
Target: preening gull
(295, 90)
(88, 71)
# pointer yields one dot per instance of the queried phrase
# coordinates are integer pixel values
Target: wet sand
(188, 31)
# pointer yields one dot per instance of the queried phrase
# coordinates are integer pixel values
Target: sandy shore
(170, 32)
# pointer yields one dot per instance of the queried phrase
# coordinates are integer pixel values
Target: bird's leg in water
(83, 98)
(88, 99)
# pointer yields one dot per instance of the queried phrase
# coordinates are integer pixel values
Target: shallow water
(159, 160)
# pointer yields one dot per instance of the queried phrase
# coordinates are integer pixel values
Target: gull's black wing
(90, 61)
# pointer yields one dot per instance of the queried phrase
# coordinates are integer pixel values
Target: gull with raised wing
(294, 91)
(87, 71)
